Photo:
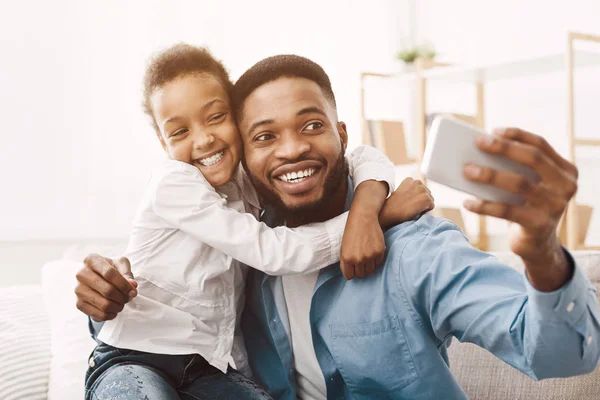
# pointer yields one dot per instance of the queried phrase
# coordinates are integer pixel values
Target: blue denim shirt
(386, 336)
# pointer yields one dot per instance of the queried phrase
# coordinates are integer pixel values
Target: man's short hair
(179, 61)
(273, 68)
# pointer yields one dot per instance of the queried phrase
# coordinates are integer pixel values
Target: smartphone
(451, 145)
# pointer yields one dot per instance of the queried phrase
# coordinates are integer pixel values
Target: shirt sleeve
(367, 163)
(462, 292)
(184, 200)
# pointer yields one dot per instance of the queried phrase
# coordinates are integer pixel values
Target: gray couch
(485, 377)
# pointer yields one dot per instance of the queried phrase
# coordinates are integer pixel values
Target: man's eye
(179, 132)
(314, 126)
(264, 137)
(217, 118)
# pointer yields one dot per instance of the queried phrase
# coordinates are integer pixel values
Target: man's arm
(462, 292)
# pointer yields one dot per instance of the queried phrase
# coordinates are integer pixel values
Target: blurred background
(76, 149)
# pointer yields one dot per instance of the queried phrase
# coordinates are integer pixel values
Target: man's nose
(291, 146)
(203, 140)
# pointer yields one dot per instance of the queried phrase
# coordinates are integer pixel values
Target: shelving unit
(572, 58)
(480, 75)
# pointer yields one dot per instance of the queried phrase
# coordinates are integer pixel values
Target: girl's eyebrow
(207, 105)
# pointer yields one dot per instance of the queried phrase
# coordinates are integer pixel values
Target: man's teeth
(296, 177)
(212, 160)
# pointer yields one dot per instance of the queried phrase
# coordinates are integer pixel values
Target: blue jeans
(127, 374)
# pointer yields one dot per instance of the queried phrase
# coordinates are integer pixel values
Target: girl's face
(197, 126)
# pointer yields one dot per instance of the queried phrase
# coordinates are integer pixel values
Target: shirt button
(589, 340)
(91, 362)
(570, 307)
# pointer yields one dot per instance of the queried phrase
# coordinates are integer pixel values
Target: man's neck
(333, 208)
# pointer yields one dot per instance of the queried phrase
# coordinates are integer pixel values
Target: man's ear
(343, 134)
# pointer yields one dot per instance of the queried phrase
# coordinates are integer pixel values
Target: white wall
(77, 149)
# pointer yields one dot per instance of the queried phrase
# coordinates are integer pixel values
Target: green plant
(410, 54)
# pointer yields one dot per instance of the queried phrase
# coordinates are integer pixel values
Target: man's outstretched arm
(462, 292)
(546, 323)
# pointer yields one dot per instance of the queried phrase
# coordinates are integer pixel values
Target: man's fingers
(96, 314)
(88, 295)
(123, 266)
(528, 217)
(347, 270)
(369, 267)
(535, 194)
(522, 153)
(523, 136)
(359, 270)
(380, 259)
(90, 278)
(429, 204)
(108, 270)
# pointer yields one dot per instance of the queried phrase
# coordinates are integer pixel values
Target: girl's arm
(184, 200)
(363, 244)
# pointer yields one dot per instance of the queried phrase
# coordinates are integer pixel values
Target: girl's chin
(218, 178)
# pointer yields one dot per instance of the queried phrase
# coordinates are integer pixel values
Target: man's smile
(297, 178)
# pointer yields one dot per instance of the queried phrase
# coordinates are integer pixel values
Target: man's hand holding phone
(533, 235)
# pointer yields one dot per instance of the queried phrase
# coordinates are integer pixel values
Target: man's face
(293, 144)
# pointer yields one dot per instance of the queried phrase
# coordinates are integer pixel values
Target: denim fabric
(127, 374)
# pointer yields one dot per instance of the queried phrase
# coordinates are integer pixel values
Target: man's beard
(309, 210)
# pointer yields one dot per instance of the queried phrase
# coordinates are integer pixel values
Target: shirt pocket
(374, 356)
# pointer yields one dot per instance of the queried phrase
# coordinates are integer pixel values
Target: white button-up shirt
(187, 247)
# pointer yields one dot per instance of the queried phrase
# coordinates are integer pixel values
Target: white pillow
(24, 344)
(71, 344)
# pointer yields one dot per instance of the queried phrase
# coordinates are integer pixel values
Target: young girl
(196, 225)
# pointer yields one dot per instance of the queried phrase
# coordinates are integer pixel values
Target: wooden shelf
(487, 73)
(511, 70)
(478, 75)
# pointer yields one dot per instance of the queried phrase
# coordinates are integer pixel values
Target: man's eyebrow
(258, 124)
(311, 110)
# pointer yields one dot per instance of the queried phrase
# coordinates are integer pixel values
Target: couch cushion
(483, 376)
(71, 342)
(24, 343)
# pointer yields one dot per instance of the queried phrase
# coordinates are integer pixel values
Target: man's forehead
(282, 97)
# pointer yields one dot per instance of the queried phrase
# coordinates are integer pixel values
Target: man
(319, 336)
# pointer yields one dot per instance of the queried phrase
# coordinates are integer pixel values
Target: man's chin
(301, 206)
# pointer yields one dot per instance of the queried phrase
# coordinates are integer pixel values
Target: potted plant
(408, 55)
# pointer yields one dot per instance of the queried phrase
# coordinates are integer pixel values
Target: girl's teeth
(212, 160)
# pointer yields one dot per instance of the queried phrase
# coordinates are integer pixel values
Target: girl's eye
(217, 118)
(264, 137)
(179, 132)
(314, 126)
